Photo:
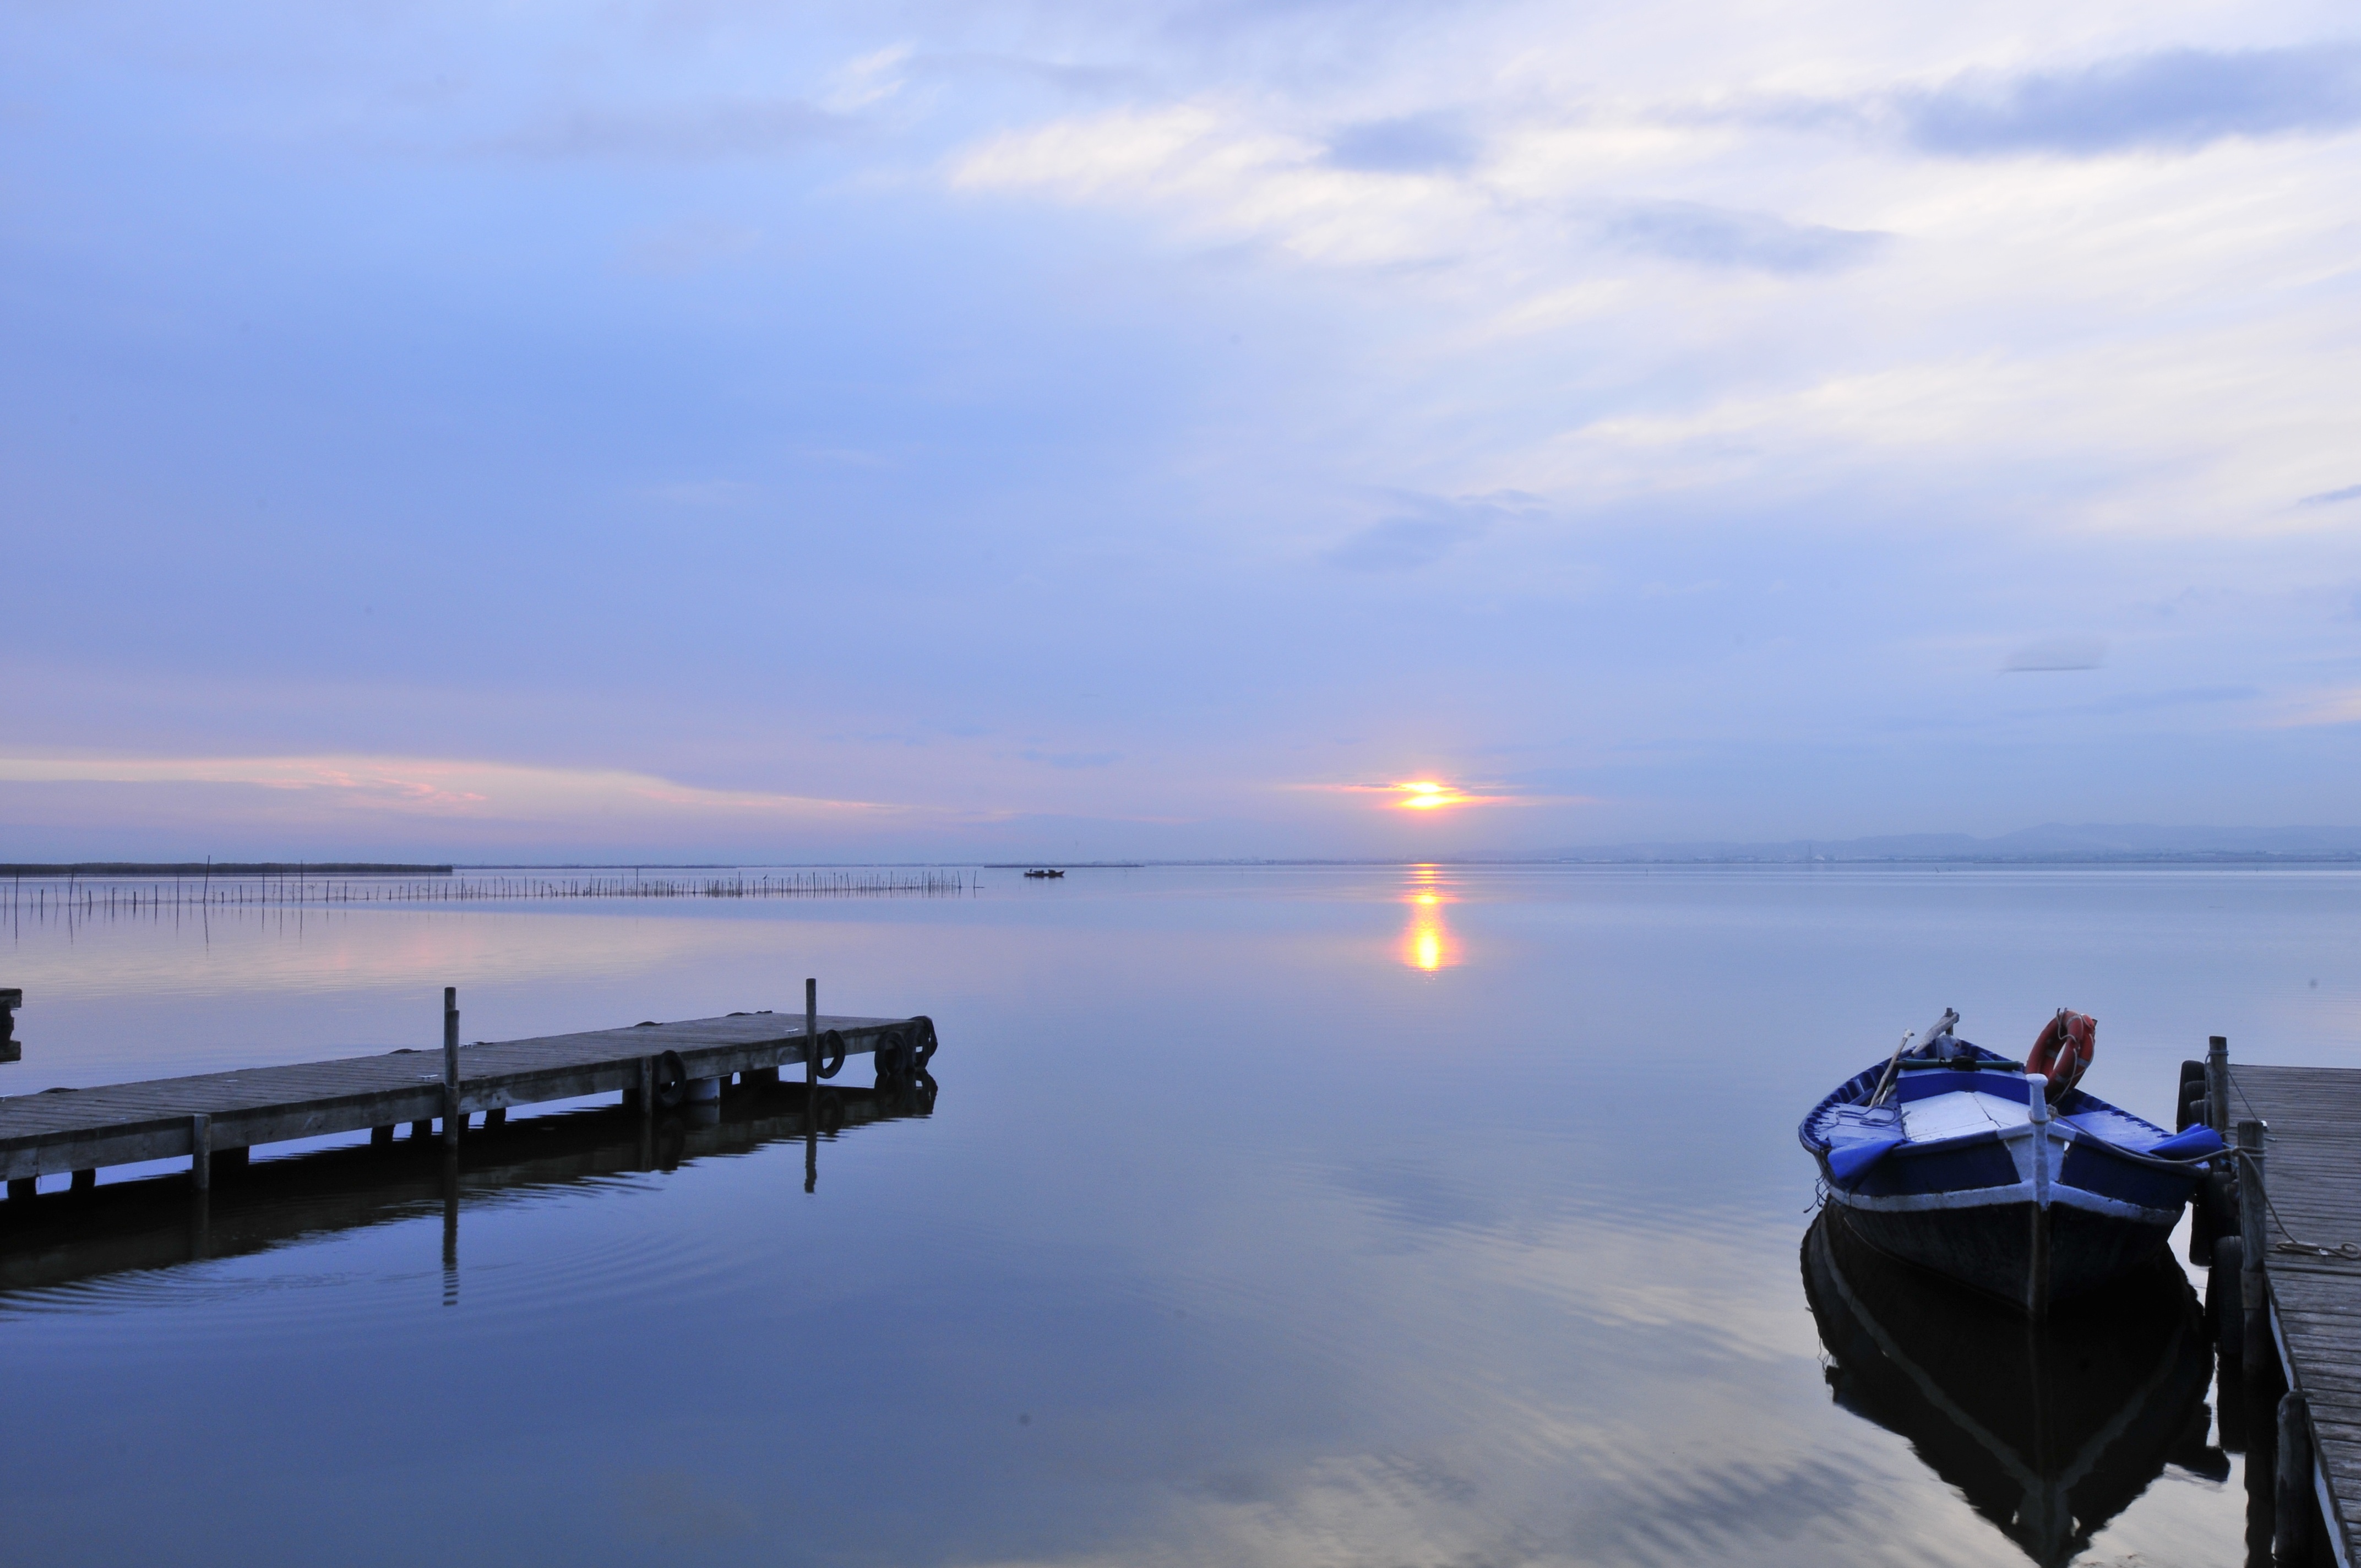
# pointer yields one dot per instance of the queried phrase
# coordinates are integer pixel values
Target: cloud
(2339, 705)
(2171, 99)
(753, 128)
(1719, 237)
(678, 249)
(435, 786)
(1426, 794)
(2331, 497)
(1074, 759)
(2058, 653)
(1409, 144)
(1418, 539)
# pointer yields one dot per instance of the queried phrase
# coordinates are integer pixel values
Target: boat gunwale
(1859, 1086)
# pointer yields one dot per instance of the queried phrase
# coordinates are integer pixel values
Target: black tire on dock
(892, 1057)
(2192, 1109)
(832, 1053)
(671, 1080)
(2223, 1301)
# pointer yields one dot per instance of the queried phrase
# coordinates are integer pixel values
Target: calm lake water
(1274, 1215)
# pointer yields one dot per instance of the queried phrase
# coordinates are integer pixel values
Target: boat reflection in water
(155, 1224)
(2048, 1429)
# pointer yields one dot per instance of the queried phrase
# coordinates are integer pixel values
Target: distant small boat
(2010, 1180)
(2048, 1432)
(1040, 871)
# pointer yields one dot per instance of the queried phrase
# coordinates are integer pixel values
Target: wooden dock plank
(2312, 1157)
(62, 1130)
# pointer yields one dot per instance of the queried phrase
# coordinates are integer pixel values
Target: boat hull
(2020, 1253)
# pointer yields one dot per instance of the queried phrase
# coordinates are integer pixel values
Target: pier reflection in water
(75, 1237)
(2049, 1429)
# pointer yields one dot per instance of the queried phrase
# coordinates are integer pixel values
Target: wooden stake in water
(811, 1085)
(451, 1113)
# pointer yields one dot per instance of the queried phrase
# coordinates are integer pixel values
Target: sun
(1428, 795)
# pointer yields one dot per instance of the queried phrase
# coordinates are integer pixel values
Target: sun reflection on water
(1427, 942)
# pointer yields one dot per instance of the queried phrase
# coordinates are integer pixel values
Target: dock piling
(2254, 1289)
(2217, 1083)
(201, 1152)
(811, 1085)
(2292, 1496)
(453, 1117)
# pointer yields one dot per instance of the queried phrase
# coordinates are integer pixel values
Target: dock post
(811, 1085)
(2292, 1497)
(647, 1092)
(2217, 1083)
(452, 1115)
(201, 1152)
(2254, 1287)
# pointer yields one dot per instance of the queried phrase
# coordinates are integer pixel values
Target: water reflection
(1427, 942)
(74, 1236)
(2048, 1430)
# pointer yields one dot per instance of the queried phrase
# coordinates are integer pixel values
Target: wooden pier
(208, 1116)
(2299, 1236)
(67, 1238)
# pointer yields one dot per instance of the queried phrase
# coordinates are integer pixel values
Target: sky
(726, 432)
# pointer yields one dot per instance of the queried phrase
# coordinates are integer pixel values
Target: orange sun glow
(1428, 795)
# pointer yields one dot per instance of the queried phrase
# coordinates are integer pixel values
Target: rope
(2349, 1251)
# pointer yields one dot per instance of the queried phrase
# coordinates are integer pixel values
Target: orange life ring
(2064, 1050)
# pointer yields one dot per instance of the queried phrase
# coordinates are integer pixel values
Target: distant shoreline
(221, 868)
(1604, 860)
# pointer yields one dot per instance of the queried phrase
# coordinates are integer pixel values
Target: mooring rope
(2349, 1251)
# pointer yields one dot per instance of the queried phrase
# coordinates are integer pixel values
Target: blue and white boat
(2022, 1186)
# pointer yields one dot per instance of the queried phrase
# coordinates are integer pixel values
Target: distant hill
(2081, 843)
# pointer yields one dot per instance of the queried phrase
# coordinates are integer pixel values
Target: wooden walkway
(134, 1225)
(199, 1117)
(2312, 1174)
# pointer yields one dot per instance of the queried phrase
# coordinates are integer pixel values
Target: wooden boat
(2049, 1430)
(2014, 1182)
(1038, 872)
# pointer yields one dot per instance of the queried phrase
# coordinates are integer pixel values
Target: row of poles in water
(75, 897)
